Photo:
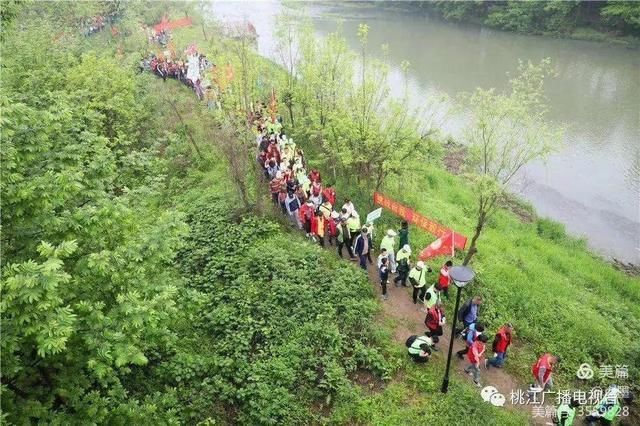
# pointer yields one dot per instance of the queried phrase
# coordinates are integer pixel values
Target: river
(592, 184)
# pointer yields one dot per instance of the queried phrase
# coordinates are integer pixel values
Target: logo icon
(491, 394)
(585, 372)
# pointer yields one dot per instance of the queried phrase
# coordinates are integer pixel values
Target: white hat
(391, 233)
(420, 264)
(278, 174)
(406, 248)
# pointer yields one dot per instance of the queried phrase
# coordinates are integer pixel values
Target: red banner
(411, 216)
(165, 24)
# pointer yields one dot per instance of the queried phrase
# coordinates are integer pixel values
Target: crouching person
(419, 347)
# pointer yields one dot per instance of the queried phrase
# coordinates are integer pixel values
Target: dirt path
(410, 321)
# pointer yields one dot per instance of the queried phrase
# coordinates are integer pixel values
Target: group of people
(189, 71)
(310, 205)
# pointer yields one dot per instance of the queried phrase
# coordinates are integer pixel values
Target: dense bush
(284, 323)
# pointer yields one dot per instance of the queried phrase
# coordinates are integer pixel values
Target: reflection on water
(591, 185)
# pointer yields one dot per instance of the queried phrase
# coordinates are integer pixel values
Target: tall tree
(507, 131)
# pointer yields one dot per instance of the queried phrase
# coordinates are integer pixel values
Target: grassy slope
(561, 297)
(412, 394)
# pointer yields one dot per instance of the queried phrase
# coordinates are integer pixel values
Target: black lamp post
(461, 276)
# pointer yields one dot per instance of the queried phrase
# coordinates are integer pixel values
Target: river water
(592, 184)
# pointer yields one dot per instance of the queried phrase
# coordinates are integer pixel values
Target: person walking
(307, 212)
(292, 204)
(388, 243)
(403, 265)
(403, 234)
(434, 321)
(475, 331)
(329, 194)
(361, 247)
(432, 295)
(443, 279)
(418, 279)
(344, 237)
(475, 355)
(542, 371)
(332, 227)
(501, 343)
(468, 313)
(383, 269)
(318, 227)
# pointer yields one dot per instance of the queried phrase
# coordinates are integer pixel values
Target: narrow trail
(409, 320)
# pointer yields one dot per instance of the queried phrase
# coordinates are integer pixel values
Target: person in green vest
(566, 413)
(420, 348)
(609, 407)
(432, 296)
(388, 243)
(418, 279)
(403, 234)
(404, 263)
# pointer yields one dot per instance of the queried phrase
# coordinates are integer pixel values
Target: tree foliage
(360, 130)
(507, 131)
(544, 17)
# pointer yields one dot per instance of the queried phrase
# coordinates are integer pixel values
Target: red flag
(441, 246)
(446, 244)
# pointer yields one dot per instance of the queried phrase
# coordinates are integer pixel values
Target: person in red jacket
(475, 355)
(434, 321)
(276, 185)
(444, 279)
(273, 152)
(543, 370)
(314, 176)
(307, 211)
(501, 342)
(316, 188)
(328, 193)
(332, 227)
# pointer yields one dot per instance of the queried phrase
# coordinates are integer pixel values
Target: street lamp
(461, 276)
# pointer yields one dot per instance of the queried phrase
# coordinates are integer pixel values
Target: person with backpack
(418, 279)
(292, 204)
(404, 263)
(468, 313)
(542, 371)
(501, 343)
(443, 279)
(434, 321)
(388, 243)
(419, 347)
(362, 246)
(475, 355)
(475, 330)
(383, 270)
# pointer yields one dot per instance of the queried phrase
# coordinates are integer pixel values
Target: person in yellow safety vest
(432, 296)
(403, 260)
(353, 223)
(388, 242)
(418, 279)
(565, 413)
(609, 407)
